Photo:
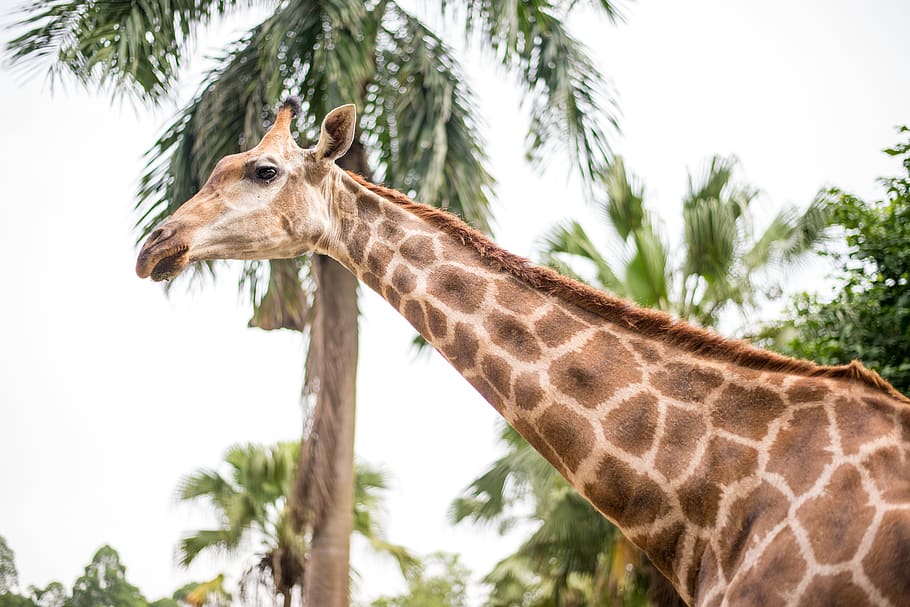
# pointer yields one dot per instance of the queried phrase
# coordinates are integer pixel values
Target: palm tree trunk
(327, 571)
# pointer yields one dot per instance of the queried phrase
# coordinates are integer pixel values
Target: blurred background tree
(418, 131)
(721, 256)
(868, 317)
(442, 582)
(102, 584)
(250, 503)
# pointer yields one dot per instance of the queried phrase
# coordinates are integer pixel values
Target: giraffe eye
(266, 173)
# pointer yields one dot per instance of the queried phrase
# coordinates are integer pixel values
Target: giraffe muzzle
(163, 255)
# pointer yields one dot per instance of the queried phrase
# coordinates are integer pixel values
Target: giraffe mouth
(162, 263)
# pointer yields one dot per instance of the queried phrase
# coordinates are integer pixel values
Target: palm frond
(611, 8)
(570, 238)
(790, 234)
(207, 484)
(219, 541)
(571, 107)
(420, 119)
(121, 47)
(408, 563)
(624, 204)
(709, 233)
(647, 276)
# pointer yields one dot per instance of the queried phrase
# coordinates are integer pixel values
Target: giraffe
(748, 478)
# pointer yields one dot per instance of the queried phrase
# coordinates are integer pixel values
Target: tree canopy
(868, 317)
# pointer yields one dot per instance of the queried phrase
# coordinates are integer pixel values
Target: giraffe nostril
(159, 235)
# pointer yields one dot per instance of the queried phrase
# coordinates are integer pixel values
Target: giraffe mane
(648, 322)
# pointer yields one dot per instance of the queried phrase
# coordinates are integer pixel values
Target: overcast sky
(110, 391)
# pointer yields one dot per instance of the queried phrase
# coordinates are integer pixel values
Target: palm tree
(720, 262)
(418, 131)
(251, 504)
(721, 256)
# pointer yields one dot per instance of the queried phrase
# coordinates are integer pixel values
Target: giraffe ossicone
(748, 478)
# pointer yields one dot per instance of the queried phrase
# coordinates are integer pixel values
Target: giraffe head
(270, 202)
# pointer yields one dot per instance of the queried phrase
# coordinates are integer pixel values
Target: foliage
(52, 595)
(250, 502)
(10, 599)
(868, 318)
(574, 555)
(211, 593)
(721, 257)
(9, 577)
(447, 588)
(104, 584)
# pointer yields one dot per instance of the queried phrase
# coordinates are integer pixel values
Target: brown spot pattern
(708, 574)
(631, 426)
(686, 382)
(413, 311)
(464, 346)
(390, 232)
(392, 296)
(747, 411)
(691, 575)
(379, 258)
(418, 250)
(807, 390)
(665, 547)
(404, 280)
(568, 433)
(528, 392)
(368, 210)
(456, 288)
(498, 373)
(630, 497)
(905, 424)
(723, 463)
(802, 449)
(834, 591)
(840, 516)
(556, 327)
(888, 560)
(439, 324)
(777, 574)
(515, 297)
(537, 441)
(682, 431)
(859, 423)
(372, 281)
(647, 350)
(512, 336)
(751, 518)
(592, 374)
(891, 474)
(358, 243)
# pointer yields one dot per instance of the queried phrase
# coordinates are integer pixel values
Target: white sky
(109, 391)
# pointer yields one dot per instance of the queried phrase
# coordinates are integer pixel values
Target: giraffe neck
(570, 384)
(701, 462)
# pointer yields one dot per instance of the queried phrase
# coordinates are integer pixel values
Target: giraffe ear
(337, 133)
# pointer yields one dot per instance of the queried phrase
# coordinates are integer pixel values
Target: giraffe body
(747, 478)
